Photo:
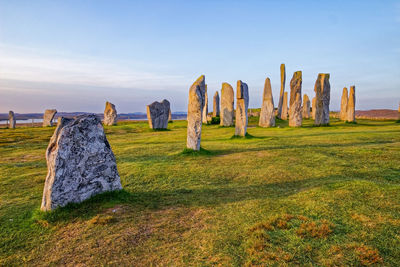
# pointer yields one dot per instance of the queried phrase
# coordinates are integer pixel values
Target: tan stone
(306, 107)
(295, 110)
(195, 113)
(242, 105)
(343, 105)
(351, 106)
(281, 95)
(48, 117)
(313, 107)
(322, 91)
(11, 118)
(267, 115)
(284, 114)
(216, 111)
(110, 114)
(205, 107)
(227, 105)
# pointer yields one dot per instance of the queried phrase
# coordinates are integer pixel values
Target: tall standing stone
(281, 95)
(295, 110)
(216, 111)
(284, 114)
(242, 105)
(157, 114)
(205, 107)
(80, 163)
(195, 111)
(322, 91)
(48, 117)
(11, 118)
(267, 115)
(351, 106)
(227, 105)
(313, 107)
(170, 115)
(306, 107)
(343, 105)
(110, 114)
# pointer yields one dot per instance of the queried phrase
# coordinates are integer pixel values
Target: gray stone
(242, 106)
(295, 110)
(11, 118)
(343, 105)
(216, 105)
(80, 163)
(169, 115)
(322, 91)
(157, 114)
(48, 117)
(284, 114)
(110, 114)
(205, 107)
(306, 107)
(313, 108)
(227, 105)
(351, 106)
(195, 111)
(267, 115)
(281, 95)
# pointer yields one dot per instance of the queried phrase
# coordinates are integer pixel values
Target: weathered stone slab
(267, 114)
(169, 115)
(227, 105)
(110, 114)
(242, 105)
(195, 113)
(351, 106)
(281, 95)
(157, 114)
(12, 120)
(322, 91)
(216, 111)
(48, 117)
(285, 112)
(205, 107)
(306, 107)
(343, 105)
(295, 110)
(80, 163)
(313, 107)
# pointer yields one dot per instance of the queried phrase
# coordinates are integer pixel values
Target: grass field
(326, 196)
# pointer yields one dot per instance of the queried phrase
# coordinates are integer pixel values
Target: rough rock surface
(284, 114)
(322, 91)
(157, 114)
(281, 95)
(11, 118)
(295, 110)
(80, 163)
(313, 108)
(242, 105)
(227, 105)
(306, 107)
(110, 114)
(343, 105)
(351, 106)
(48, 117)
(205, 107)
(195, 111)
(170, 115)
(216, 105)
(267, 114)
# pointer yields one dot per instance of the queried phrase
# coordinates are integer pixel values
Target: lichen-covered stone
(227, 105)
(267, 114)
(313, 108)
(80, 163)
(343, 105)
(281, 95)
(48, 117)
(12, 120)
(195, 113)
(306, 107)
(242, 105)
(110, 114)
(205, 107)
(322, 91)
(216, 111)
(295, 110)
(351, 106)
(157, 114)
(284, 114)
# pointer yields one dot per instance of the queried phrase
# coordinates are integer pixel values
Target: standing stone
(351, 106)
(48, 117)
(195, 110)
(267, 115)
(242, 105)
(110, 114)
(284, 114)
(11, 118)
(216, 105)
(322, 91)
(205, 107)
(295, 110)
(343, 105)
(169, 115)
(313, 107)
(80, 163)
(281, 95)
(306, 107)
(227, 105)
(157, 114)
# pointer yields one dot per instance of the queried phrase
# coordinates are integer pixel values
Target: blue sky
(75, 55)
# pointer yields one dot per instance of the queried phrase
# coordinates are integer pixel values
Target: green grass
(314, 196)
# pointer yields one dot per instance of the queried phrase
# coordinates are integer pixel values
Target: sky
(75, 55)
